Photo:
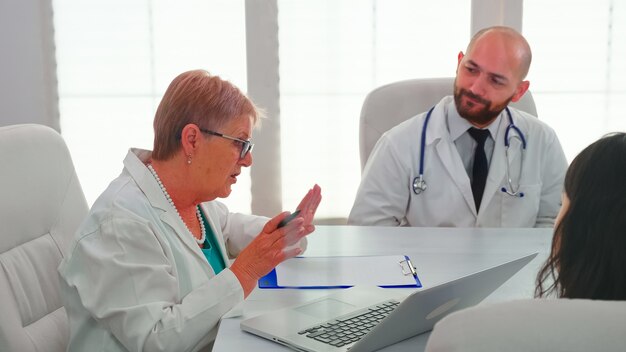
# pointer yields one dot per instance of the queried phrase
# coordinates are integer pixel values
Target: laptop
(367, 319)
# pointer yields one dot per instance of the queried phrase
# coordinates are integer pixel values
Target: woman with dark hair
(588, 256)
(587, 266)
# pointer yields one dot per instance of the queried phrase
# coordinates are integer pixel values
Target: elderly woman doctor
(149, 268)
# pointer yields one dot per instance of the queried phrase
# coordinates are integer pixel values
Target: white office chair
(387, 106)
(573, 325)
(41, 205)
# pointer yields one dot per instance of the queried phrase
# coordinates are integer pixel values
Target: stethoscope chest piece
(419, 185)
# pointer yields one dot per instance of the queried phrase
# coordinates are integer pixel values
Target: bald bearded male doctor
(466, 187)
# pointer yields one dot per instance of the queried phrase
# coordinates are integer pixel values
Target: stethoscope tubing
(423, 142)
(419, 184)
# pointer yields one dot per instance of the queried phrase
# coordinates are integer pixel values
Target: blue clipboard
(270, 281)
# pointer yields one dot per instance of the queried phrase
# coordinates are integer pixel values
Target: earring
(189, 159)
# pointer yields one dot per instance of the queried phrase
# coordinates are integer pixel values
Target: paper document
(324, 272)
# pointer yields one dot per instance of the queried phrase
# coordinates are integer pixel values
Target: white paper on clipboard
(385, 270)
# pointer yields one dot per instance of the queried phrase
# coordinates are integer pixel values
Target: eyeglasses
(246, 146)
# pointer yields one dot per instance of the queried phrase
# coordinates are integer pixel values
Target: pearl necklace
(169, 199)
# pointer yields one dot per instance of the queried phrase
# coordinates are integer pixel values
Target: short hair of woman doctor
(588, 255)
(198, 98)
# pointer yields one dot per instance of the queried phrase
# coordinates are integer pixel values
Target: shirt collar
(457, 125)
(135, 163)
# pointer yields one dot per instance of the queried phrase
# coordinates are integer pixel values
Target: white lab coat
(135, 280)
(386, 197)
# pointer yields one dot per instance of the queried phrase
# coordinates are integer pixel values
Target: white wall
(28, 83)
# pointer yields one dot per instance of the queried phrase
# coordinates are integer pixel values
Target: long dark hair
(588, 256)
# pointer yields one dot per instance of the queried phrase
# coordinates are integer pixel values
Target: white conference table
(439, 254)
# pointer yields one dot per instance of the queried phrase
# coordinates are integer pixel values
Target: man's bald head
(512, 39)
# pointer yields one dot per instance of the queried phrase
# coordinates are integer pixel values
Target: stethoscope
(419, 184)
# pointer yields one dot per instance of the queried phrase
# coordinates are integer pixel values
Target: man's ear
(459, 57)
(520, 90)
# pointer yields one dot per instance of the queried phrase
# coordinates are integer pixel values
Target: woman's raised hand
(274, 245)
(308, 207)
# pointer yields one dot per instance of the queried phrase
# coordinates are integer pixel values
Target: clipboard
(389, 271)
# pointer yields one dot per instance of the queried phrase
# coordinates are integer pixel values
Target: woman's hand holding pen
(275, 244)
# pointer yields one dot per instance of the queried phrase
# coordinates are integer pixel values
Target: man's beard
(483, 116)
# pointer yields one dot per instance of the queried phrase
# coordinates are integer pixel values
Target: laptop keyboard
(350, 328)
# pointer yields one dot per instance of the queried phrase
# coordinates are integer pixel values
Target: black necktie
(480, 169)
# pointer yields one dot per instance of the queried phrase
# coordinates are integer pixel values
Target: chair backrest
(573, 325)
(41, 206)
(387, 106)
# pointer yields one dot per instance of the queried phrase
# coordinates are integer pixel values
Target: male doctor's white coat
(135, 280)
(386, 197)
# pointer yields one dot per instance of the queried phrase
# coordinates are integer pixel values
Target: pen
(286, 220)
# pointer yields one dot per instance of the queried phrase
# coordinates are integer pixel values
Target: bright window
(578, 74)
(114, 65)
(332, 53)
(115, 60)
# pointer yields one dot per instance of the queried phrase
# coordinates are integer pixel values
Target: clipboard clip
(407, 267)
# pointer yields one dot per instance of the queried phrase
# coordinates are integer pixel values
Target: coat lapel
(500, 163)
(450, 158)
(447, 153)
(134, 163)
(171, 217)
